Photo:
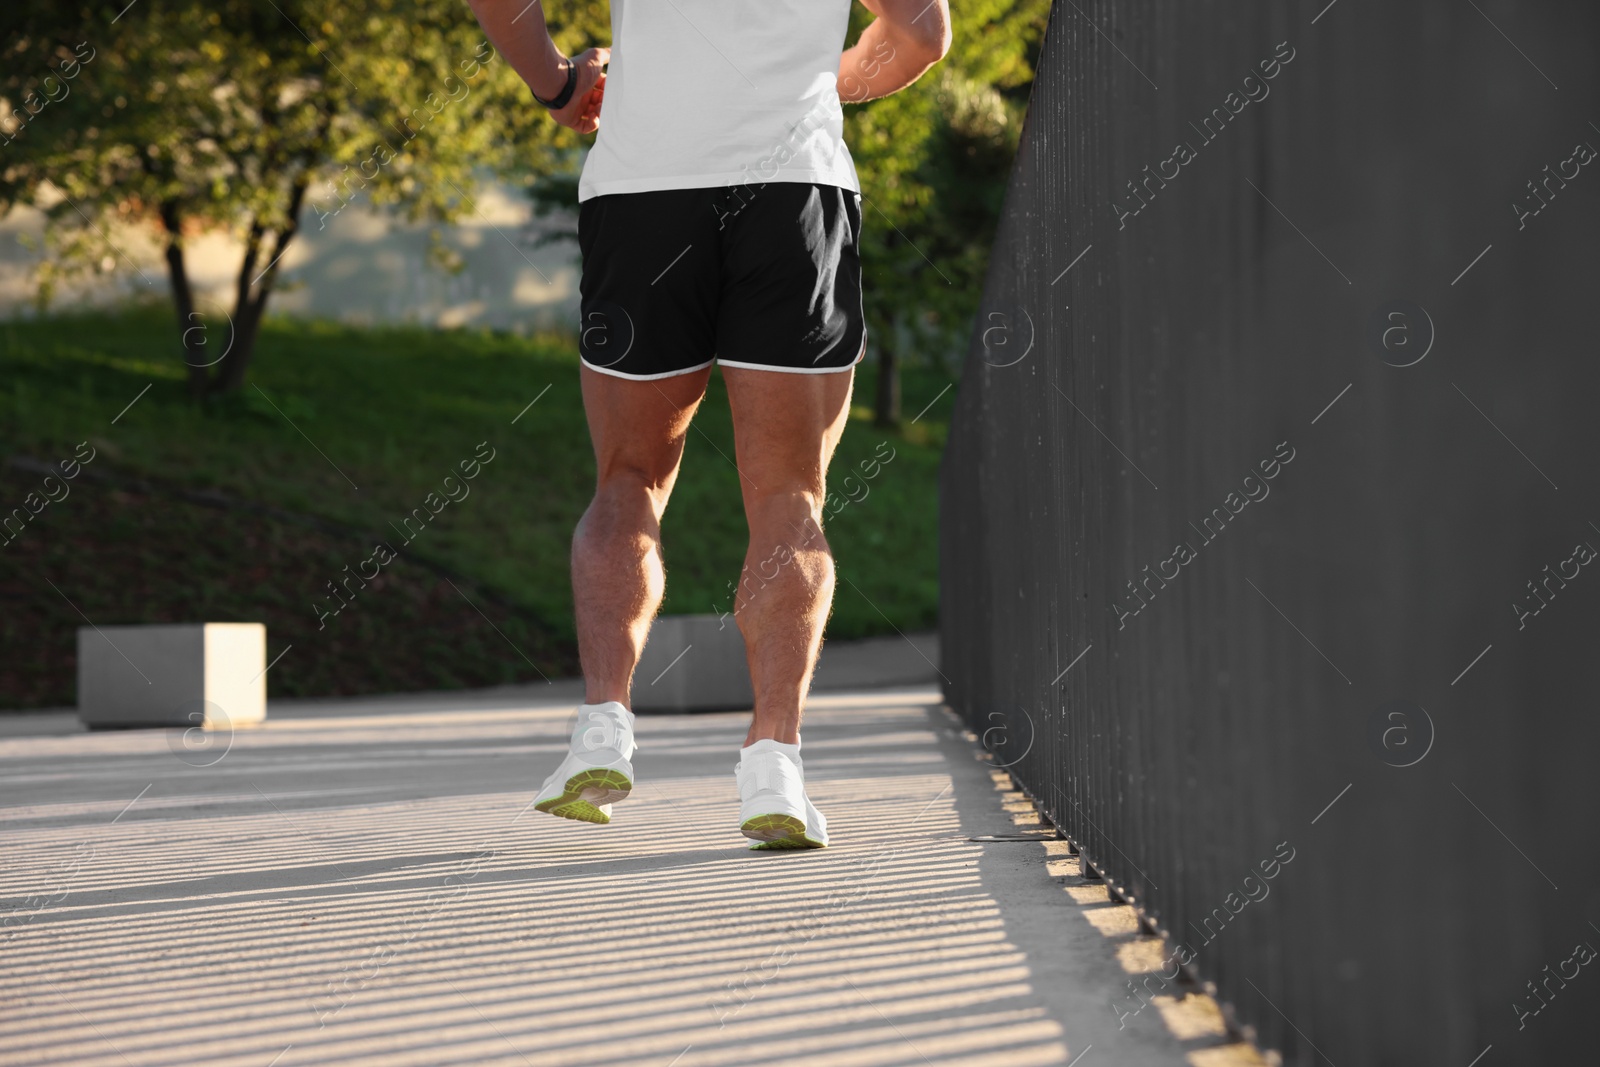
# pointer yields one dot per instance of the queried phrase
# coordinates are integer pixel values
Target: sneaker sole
(584, 792)
(778, 832)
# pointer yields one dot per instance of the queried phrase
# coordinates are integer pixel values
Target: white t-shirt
(710, 93)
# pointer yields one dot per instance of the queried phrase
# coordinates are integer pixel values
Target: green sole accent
(579, 796)
(786, 843)
(770, 827)
(579, 810)
(778, 832)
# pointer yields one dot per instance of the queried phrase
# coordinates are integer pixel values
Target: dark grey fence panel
(1270, 500)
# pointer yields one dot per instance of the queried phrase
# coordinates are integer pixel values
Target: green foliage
(255, 118)
(223, 105)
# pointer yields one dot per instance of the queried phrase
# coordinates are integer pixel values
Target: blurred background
(279, 268)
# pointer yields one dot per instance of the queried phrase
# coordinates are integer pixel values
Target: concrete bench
(210, 675)
(693, 663)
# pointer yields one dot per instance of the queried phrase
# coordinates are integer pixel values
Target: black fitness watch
(565, 95)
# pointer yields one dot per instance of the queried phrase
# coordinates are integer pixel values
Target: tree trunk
(886, 406)
(183, 301)
(252, 291)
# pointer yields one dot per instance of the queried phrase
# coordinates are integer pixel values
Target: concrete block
(693, 663)
(878, 663)
(211, 675)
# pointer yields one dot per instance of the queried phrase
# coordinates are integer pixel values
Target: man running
(719, 221)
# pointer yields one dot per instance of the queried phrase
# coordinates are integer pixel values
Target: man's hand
(518, 32)
(582, 112)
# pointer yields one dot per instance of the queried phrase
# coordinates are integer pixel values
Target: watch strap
(565, 96)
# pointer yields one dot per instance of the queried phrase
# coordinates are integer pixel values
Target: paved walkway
(363, 882)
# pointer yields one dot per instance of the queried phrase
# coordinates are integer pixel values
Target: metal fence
(1269, 507)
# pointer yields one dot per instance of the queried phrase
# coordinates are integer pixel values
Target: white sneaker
(774, 810)
(597, 771)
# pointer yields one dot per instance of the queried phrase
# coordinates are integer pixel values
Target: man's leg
(638, 430)
(785, 429)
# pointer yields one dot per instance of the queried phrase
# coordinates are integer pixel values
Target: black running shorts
(765, 276)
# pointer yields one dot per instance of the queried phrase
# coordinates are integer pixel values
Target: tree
(933, 162)
(258, 119)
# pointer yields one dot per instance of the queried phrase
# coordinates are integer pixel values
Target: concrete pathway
(364, 882)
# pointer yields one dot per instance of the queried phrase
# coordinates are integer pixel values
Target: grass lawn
(341, 435)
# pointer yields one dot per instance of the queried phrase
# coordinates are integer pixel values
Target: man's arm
(906, 39)
(516, 29)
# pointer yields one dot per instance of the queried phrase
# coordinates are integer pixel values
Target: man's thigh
(786, 427)
(638, 426)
